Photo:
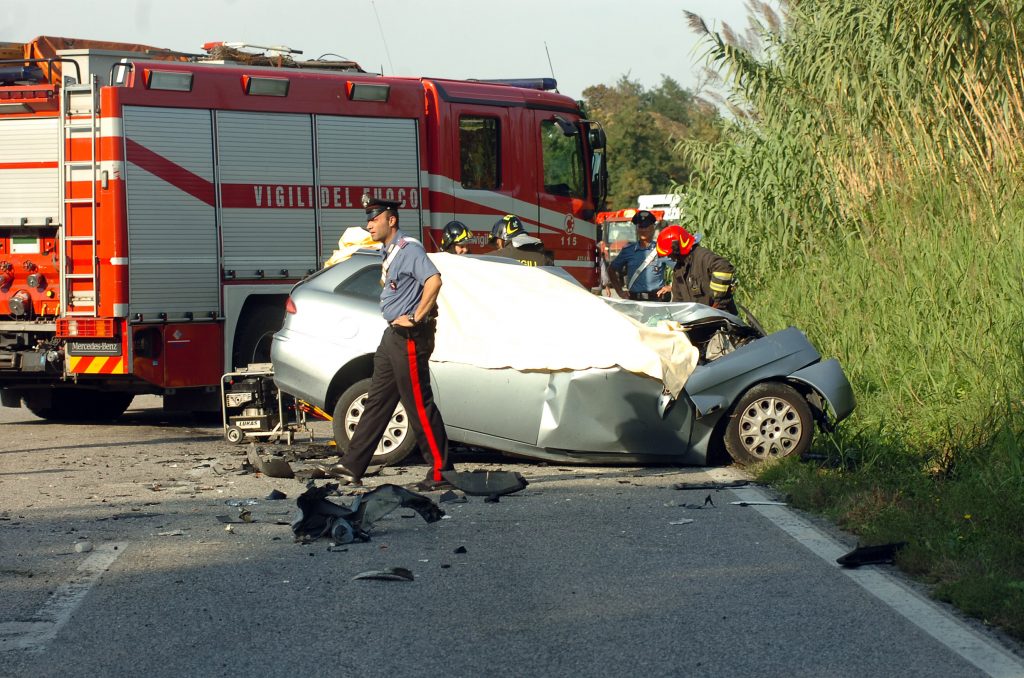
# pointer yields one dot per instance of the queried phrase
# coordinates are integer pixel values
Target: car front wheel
(770, 421)
(398, 439)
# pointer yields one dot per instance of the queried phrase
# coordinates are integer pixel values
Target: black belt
(644, 296)
(417, 330)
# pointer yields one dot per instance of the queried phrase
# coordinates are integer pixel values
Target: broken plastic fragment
(871, 555)
(276, 495)
(758, 503)
(461, 549)
(710, 486)
(388, 574)
(241, 502)
(486, 483)
(681, 521)
(272, 467)
(319, 517)
(452, 497)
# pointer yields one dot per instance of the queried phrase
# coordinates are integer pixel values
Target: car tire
(770, 421)
(398, 440)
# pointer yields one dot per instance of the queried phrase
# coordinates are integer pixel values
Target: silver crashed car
(757, 397)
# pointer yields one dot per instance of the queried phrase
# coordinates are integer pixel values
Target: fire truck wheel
(398, 440)
(78, 405)
(255, 334)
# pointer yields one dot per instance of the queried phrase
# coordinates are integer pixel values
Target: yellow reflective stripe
(719, 287)
(722, 275)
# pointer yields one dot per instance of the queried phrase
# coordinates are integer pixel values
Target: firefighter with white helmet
(700, 275)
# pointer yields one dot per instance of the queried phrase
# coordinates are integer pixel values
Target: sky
(590, 43)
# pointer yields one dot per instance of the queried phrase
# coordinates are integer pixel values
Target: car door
(505, 403)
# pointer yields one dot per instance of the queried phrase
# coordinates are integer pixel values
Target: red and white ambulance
(155, 209)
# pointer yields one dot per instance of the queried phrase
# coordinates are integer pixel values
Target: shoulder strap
(647, 262)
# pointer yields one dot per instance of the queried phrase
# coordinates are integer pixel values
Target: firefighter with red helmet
(700, 275)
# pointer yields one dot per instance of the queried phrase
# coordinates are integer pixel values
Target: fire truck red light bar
(360, 91)
(85, 327)
(168, 80)
(265, 87)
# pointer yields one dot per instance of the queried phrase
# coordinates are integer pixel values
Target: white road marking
(925, 614)
(35, 635)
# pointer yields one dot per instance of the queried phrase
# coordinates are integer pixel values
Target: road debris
(387, 574)
(242, 502)
(681, 521)
(758, 503)
(171, 533)
(486, 483)
(725, 485)
(319, 517)
(452, 497)
(871, 555)
(83, 547)
(461, 549)
(276, 495)
(272, 467)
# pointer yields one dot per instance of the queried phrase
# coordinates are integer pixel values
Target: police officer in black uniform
(400, 373)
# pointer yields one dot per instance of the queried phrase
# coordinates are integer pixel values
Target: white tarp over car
(496, 315)
(501, 315)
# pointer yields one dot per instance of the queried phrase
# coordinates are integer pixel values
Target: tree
(644, 127)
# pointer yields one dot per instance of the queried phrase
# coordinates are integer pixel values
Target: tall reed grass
(868, 190)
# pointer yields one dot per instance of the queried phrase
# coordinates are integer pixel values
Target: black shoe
(341, 472)
(431, 485)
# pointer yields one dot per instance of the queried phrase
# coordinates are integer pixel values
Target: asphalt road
(589, 571)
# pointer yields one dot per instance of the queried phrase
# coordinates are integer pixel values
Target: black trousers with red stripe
(400, 373)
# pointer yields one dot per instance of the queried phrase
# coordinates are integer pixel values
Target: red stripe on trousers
(421, 411)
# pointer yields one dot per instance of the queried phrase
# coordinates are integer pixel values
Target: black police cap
(375, 206)
(644, 219)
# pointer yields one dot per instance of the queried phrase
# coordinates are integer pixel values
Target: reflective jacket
(528, 254)
(705, 278)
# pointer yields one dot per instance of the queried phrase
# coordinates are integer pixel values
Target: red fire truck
(155, 209)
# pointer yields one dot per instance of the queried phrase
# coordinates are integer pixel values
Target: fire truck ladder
(79, 107)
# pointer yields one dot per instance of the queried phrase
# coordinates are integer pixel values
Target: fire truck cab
(156, 209)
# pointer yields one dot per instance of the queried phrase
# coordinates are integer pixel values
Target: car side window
(364, 283)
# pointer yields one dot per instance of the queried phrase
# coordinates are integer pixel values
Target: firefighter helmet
(507, 228)
(675, 240)
(454, 233)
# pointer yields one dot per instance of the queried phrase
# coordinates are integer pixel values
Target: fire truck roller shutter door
(356, 154)
(28, 181)
(172, 228)
(267, 196)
